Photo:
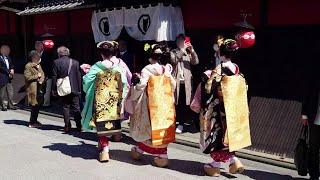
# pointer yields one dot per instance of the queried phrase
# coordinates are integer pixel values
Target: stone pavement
(49, 154)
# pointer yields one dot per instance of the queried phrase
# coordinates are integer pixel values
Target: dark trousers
(182, 110)
(34, 114)
(72, 101)
(6, 90)
(314, 151)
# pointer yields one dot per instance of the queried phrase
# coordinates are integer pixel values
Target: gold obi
(161, 109)
(107, 102)
(234, 92)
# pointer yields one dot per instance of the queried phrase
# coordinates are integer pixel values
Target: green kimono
(105, 90)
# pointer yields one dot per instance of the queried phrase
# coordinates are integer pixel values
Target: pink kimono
(196, 102)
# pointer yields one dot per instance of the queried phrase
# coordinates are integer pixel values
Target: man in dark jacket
(6, 76)
(46, 64)
(60, 70)
(311, 117)
(125, 55)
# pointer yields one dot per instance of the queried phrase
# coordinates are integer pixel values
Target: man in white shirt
(6, 76)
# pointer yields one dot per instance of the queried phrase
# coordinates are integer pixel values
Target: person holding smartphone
(181, 59)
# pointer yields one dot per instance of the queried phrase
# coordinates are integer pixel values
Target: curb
(245, 154)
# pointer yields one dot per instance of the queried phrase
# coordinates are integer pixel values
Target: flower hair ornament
(220, 41)
(147, 46)
(114, 43)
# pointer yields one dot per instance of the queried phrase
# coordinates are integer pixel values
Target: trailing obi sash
(161, 110)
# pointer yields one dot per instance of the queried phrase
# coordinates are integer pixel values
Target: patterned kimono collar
(231, 66)
(115, 60)
(158, 69)
(107, 63)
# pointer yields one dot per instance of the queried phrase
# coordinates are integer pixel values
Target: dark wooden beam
(69, 28)
(264, 13)
(8, 21)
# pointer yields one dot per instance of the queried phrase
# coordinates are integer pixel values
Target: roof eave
(57, 10)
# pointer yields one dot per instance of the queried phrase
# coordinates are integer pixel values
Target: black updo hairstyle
(164, 57)
(106, 48)
(229, 49)
(165, 53)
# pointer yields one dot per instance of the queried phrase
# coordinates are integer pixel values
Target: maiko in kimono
(125, 69)
(221, 100)
(152, 123)
(105, 86)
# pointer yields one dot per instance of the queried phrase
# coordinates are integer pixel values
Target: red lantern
(245, 39)
(48, 44)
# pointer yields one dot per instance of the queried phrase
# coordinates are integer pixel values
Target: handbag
(302, 152)
(63, 84)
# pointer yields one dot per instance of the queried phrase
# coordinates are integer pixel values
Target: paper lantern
(48, 44)
(245, 39)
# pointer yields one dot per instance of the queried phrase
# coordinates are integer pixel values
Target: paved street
(49, 154)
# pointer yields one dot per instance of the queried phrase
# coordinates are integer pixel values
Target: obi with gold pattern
(234, 92)
(107, 102)
(161, 109)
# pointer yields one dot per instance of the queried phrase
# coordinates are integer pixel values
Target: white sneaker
(179, 129)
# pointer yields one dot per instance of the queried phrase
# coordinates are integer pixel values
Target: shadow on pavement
(89, 152)
(183, 166)
(46, 127)
(83, 150)
(261, 175)
(16, 122)
(90, 136)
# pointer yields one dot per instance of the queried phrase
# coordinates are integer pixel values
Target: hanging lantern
(48, 44)
(245, 39)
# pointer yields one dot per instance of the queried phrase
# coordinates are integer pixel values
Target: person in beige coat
(34, 78)
(181, 59)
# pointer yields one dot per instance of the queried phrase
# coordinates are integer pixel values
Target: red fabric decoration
(104, 141)
(223, 156)
(245, 39)
(152, 150)
(48, 44)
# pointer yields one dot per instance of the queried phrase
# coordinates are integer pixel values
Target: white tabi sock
(137, 149)
(233, 159)
(213, 164)
(161, 155)
(106, 149)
